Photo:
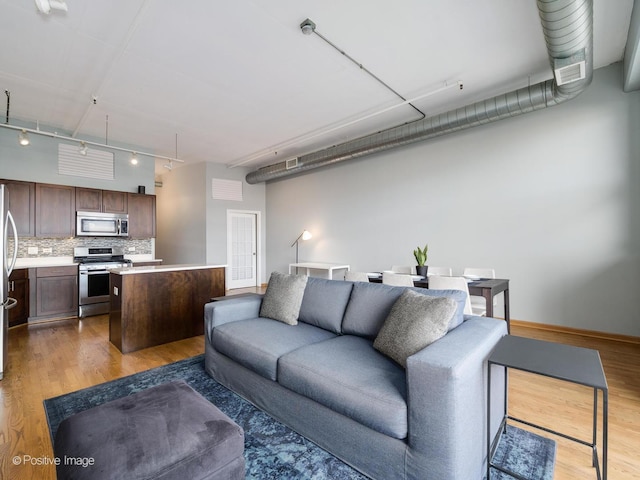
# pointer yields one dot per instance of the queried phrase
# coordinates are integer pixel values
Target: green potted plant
(421, 258)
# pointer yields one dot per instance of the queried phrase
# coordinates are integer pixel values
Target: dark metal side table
(564, 362)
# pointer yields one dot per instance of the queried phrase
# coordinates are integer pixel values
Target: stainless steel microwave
(95, 224)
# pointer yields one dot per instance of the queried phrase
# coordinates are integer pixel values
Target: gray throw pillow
(415, 321)
(283, 297)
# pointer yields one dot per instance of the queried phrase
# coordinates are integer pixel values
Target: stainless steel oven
(93, 281)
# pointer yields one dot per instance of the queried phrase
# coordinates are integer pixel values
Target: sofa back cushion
(371, 303)
(324, 303)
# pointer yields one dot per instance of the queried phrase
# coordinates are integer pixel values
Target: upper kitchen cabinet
(107, 201)
(22, 197)
(55, 210)
(142, 215)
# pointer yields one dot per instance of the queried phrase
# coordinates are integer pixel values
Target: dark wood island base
(156, 305)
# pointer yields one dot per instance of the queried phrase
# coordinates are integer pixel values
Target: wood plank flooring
(59, 357)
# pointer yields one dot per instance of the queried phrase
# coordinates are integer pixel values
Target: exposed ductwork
(568, 30)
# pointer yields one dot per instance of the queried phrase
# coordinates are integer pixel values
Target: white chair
(437, 282)
(401, 269)
(479, 304)
(356, 276)
(442, 271)
(398, 279)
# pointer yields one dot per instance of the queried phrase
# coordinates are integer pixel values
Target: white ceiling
(240, 84)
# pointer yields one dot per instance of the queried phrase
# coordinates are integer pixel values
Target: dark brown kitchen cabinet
(56, 292)
(142, 215)
(19, 289)
(94, 200)
(88, 200)
(114, 202)
(22, 200)
(55, 210)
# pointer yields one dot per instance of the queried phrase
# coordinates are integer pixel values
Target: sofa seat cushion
(347, 375)
(371, 303)
(258, 343)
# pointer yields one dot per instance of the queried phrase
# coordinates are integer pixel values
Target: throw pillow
(415, 321)
(283, 297)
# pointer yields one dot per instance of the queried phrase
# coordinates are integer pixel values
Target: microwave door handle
(119, 227)
(15, 241)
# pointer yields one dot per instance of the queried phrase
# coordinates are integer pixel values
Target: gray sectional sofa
(324, 379)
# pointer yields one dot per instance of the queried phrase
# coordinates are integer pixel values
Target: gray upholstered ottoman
(165, 432)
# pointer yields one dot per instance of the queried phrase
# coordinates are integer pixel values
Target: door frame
(258, 216)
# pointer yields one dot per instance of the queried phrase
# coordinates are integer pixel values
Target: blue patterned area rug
(272, 450)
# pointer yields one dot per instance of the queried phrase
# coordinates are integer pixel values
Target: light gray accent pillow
(415, 321)
(283, 297)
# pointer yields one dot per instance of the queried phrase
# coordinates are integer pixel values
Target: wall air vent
(222, 189)
(85, 162)
(571, 69)
(292, 163)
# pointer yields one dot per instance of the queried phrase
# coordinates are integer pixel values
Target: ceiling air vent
(292, 163)
(571, 69)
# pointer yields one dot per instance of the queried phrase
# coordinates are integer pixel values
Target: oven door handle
(94, 272)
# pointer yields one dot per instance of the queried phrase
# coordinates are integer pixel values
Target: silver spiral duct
(568, 32)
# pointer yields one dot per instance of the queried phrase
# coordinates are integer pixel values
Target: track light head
(308, 27)
(23, 138)
(169, 166)
(134, 158)
(45, 6)
(83, 149)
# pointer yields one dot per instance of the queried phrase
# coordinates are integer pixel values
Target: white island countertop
(161, 268)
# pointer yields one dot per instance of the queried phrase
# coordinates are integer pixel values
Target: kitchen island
(154, 305)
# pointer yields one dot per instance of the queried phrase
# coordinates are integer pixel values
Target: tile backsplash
(63, 247)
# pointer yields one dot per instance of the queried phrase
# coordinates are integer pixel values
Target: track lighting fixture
(45, 6)
(134, 158)
(83, 149)
(169, 166)
(23, 138)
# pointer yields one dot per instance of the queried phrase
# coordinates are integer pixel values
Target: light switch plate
(47, 250)
(32, 250)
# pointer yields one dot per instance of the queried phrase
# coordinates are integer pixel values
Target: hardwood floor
(59, 357)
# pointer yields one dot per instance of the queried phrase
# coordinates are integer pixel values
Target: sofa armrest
(230, 310)
(447, 399)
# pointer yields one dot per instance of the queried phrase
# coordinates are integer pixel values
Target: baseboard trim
(577, 331)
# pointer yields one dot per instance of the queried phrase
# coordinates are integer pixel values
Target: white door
(242, 248)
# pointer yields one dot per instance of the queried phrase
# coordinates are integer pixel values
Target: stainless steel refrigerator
(7, 262)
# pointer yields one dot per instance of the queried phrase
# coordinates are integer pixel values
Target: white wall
(192, 226)
(181, 210)
(546, 199)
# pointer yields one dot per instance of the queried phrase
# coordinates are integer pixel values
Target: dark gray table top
(555, 360)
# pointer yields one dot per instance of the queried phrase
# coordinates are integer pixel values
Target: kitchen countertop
(161, 268)
(35, 262)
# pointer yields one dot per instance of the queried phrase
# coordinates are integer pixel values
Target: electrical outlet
(132, 249)
(32, 250)
(46, 250)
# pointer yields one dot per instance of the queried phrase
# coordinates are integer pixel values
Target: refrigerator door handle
(15, 243)
(10, 303)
